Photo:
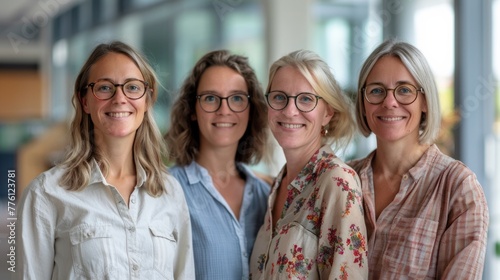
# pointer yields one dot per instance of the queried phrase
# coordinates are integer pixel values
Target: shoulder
(259, 181)
(177, 171)
(452, 169)
(360, 163)
(47, 181)
(341, 175)
(42, 189)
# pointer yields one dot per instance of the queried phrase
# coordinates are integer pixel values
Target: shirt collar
(96, 175)
(314, 167)
(417, 171)
(422, 165)
(196, 173)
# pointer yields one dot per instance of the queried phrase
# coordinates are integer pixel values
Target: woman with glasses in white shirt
(108, 210)
(218, 126)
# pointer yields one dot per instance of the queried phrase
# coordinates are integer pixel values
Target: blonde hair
(148, 148)
(419, 68)
(341, 127)
(183, 137)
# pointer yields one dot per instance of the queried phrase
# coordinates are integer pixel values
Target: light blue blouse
(222, 244)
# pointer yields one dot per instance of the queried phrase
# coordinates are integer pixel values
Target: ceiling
(13, 13)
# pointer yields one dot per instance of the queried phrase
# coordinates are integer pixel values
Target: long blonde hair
(148, 148)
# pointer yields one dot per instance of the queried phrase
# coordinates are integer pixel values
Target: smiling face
(118, 117)
(223, 127)
(292, 128)
(390, 121)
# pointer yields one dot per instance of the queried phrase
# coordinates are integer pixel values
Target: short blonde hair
(419, 68)
(341, 127)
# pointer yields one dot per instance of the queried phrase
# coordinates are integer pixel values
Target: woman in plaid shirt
(426, 213)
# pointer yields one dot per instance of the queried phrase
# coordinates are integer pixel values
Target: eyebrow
(113, 81)
(290, 94)
(213, 92)
(397, 83)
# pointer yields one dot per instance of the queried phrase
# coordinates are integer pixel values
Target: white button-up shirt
(93, 234)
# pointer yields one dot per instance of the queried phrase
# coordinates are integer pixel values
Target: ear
(84, 102)
(424, 106)
(328, 115)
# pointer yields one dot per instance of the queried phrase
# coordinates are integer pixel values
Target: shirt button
(132, 200)
(131, 229)
(405, 177)
(135, 267)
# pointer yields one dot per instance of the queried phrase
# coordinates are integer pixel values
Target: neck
(119, 154)
(219, 163)
(396, 160)
(296, 160)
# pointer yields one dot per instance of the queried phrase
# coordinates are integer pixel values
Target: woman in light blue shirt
(109, 210)
(218, 125)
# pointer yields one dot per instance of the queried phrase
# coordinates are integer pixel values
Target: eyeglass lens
(133, 89)
(404, 94)
(211, 102)
(304, 101)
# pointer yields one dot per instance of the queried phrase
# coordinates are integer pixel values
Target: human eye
(277, 96)
(209, 98)
(238, 98)
(376, 90)
(104, 87)
(404, 90)
(134, 87)
(306, 98)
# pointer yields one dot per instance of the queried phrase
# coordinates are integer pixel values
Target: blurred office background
(44, 43)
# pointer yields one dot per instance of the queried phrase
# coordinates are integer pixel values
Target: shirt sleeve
(184, 265)
(343, 230)
(463, 246)
(36, 217)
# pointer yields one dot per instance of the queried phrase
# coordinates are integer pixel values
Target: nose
(390, 99)
(119, 96)
(224, 107)
(291, 108)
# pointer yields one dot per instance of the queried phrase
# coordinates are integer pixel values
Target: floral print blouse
(321, 232)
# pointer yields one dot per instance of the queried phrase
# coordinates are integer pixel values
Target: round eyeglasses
(106, 89)
(405, 94)
(236, 102)
(304, 101)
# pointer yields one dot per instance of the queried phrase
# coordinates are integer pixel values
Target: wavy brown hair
(183, 136)
(148, 148)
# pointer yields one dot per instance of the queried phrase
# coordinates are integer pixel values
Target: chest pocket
(164, 248)
(295, 253)
(92, 251)
(410, 244)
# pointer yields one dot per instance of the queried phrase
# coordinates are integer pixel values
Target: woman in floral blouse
(314, 226)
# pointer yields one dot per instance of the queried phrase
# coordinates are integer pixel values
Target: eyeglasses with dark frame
(105, 89)
(405, 94)
(236, 102)
(304, 101)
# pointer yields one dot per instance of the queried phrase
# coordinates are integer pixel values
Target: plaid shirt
(436, 226)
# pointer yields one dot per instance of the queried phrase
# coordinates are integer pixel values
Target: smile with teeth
(391, 119)
(224, 124)
(119, 114)
(291, 125)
